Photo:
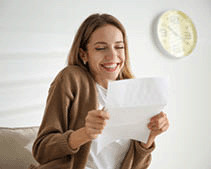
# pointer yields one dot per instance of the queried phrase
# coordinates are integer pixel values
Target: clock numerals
(163, 32)
(177, 50)
(174, 19)
(187, 27)
(187, 43)
(187, 35)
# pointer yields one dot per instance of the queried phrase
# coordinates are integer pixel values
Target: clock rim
(158, 41)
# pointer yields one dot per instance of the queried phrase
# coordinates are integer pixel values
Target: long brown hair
(84, 33)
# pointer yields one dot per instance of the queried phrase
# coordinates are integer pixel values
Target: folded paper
(131, 103)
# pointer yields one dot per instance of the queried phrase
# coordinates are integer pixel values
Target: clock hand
(175, 33)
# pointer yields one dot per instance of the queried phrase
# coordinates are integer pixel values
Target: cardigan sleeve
(142, 156)
(52, 140)
(137, 157)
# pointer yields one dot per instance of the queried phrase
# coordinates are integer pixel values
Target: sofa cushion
(16, 147)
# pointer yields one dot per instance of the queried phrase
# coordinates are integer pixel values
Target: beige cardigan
(71, 95)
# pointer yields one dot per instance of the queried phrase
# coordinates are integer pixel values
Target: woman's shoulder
(72, 72)
(73, 69)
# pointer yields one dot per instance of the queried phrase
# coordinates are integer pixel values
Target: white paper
(131, 103)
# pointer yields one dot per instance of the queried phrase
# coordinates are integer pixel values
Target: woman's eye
(100, 48)
(104, 48)
(120, 47)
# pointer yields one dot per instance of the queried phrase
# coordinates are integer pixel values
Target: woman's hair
(84, 33)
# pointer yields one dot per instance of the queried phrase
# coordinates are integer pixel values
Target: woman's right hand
(95, 123)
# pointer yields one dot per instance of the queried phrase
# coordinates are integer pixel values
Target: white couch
(16, 147)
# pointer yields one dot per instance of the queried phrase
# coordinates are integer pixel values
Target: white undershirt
(112, 156)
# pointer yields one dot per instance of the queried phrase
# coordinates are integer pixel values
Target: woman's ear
(83, 55)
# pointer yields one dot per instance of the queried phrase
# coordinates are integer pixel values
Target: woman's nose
(111, 54)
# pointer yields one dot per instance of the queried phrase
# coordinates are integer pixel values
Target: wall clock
(176, 33)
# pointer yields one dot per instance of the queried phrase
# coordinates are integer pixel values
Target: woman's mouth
(110, 67)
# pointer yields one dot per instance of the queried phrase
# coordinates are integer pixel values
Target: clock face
(176, 33)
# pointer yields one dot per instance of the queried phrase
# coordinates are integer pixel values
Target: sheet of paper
(131, 103)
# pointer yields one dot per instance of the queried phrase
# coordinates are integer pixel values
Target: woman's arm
(149, 143)
(95, 123)
(52, 140)
(137, 156)
(78, 138)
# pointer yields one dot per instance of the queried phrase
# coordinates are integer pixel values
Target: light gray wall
(35, 37)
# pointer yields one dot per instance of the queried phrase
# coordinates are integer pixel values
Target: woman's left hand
(158, 124)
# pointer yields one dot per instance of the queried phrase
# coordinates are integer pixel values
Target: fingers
(99, 113)
(97, 126)
(97, 117)
(95, 122)
(103, 114)
(159, 123)
(158, 116)
(94, 132)
(164, 128)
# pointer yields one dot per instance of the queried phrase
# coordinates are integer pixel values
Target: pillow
(16, 147)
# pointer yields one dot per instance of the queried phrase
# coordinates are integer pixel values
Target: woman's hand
(158, 124)
(95, 123)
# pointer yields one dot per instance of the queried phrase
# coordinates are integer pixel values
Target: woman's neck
(103, 83)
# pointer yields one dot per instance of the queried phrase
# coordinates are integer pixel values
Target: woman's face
(105, 54)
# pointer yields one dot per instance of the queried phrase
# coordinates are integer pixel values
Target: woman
(74, 114)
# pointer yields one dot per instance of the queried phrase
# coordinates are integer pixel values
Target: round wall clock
(176, 33)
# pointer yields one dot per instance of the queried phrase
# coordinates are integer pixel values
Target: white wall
(35, 40)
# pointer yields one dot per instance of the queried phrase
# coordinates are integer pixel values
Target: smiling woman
(105, 54)
(74, 114)
(84, 36)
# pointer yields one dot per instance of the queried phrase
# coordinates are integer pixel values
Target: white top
(112, 156)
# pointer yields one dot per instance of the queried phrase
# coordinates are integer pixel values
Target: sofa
(16, 147)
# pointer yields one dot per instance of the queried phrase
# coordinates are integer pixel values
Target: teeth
(110, 66)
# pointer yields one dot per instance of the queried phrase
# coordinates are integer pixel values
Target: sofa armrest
(16, 147)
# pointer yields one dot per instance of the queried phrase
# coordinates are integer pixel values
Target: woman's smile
(110, 67)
